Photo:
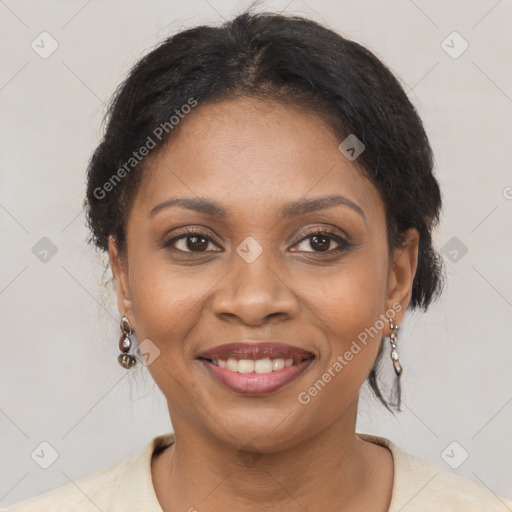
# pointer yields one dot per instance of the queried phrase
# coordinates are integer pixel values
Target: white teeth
(249, 365)
(263, 366)
(232, 364)
(277, 364)
(246, 366)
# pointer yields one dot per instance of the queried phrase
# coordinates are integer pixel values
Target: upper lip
(256, 350)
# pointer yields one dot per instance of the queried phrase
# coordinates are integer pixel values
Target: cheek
(165, 303)
(166, 307)
(349, 304)
(170, 304)
(353, 297)
(351, 317)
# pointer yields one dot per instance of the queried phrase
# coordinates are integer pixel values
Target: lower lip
(256, 383)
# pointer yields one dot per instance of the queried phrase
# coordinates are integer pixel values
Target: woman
(265, 193)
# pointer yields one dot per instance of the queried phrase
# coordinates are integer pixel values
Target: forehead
(253, 154)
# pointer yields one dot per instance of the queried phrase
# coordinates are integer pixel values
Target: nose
(254, 294)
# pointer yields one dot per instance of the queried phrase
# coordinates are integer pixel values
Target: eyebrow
(303, 206)
(295, 208)
(199, 204)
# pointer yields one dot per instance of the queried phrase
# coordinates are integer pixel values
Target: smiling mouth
(258, 366)
(255, 368)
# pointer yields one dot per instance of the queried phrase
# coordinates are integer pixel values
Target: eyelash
(343, 245)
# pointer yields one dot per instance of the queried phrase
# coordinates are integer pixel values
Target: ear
(120, 271)
(401, 276)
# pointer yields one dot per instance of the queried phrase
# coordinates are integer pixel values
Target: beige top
(419, 486)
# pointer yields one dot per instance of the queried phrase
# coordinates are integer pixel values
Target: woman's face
(242, 262)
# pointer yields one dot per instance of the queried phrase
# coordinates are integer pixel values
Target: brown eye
(196, 243)
(191, 242)
(322, 241)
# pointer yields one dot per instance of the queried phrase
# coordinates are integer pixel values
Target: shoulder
(429, 486)
(93, 492)
(421, 485)
(121, 486)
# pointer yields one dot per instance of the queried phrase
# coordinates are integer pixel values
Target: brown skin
(251, 157)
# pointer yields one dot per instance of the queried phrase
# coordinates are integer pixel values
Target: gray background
(59, 378)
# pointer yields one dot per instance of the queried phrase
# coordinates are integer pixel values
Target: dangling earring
(394, 351)
(125, 343)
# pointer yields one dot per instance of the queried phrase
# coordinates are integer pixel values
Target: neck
(333, 466)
